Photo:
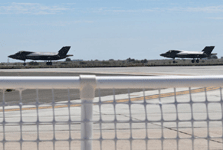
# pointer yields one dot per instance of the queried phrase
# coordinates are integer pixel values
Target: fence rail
(146, 113)
(109, 82)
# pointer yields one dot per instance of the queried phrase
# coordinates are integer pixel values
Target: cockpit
(173, 51)
(19, 52)
(22, 53)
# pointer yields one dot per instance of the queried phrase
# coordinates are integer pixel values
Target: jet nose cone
(162, 54)
(11, 56)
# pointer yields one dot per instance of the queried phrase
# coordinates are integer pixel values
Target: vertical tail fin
(208, 49)
(63, 51)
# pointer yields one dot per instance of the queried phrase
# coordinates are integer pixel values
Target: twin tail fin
(208, 49)
(63, 51)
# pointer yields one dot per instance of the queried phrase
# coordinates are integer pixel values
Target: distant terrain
(112, 63)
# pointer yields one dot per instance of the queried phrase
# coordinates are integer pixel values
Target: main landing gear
(24, 64)
(197, 61)
(49, 63)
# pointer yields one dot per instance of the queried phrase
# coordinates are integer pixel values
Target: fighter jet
(49, 56)
(206, 52)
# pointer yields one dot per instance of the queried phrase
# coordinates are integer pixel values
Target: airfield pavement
(154, 129)
(158, 71)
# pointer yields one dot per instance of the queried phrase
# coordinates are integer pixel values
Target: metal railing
(87, 86)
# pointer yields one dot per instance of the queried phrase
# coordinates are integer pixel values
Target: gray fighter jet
(49, 56)
(206, 52)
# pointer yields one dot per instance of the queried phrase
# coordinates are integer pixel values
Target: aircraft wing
(189, 53)
(41, 54)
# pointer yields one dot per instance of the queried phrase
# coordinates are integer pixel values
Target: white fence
(187, 116)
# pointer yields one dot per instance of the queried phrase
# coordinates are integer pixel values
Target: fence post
(87, 94)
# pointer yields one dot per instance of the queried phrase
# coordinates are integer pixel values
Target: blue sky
(117, 29)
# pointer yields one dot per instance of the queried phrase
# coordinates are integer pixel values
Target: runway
(137, 97)
(46, 96)
(59, 95)
(138, 130)
(158, 71)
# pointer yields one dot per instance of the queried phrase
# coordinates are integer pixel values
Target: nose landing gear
(24, 64)
(174, 60)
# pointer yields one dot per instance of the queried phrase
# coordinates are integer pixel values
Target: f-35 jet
(48, 56)
(206, 52)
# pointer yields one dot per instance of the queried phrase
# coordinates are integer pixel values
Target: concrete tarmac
(46, 96)
(156, 109)
(169, 70)
(199, 113)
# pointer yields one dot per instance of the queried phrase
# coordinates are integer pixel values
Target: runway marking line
(165, 95)
(124, 100)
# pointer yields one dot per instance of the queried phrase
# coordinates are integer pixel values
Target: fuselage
(206, 52)
(184, 54)
(23, 55)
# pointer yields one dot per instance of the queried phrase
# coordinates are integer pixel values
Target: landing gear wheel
(192, 61)
(24, 64)
(197, 61)
(49, 63)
